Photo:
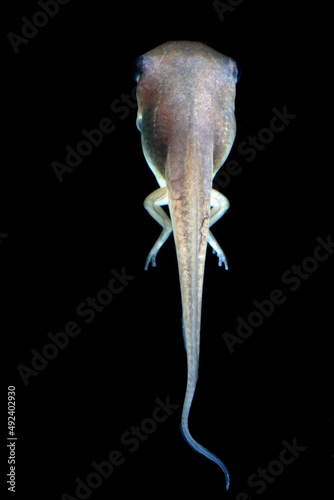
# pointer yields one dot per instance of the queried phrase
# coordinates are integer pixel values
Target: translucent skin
(186, 94)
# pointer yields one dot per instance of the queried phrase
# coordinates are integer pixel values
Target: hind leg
(153, 204)
(219, 204)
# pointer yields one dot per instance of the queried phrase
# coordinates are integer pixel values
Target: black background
(65, 238)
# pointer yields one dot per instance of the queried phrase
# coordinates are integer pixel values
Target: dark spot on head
(138, 68)
(236, 72)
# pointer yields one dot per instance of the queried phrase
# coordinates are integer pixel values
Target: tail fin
(189, 183)
(188, 437)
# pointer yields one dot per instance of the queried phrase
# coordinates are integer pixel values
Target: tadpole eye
(237, 72)
(137, 68)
